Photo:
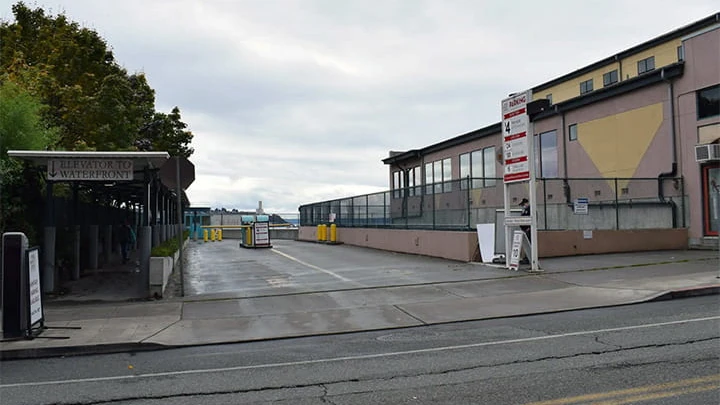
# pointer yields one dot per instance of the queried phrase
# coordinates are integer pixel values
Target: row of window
(480, 164)
(612, 77)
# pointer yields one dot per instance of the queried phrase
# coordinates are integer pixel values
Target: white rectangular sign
(516, 250)
(581, 206)
(262, 233)
(36, 312)
(518, 221)
(90, 169)
(515, 124)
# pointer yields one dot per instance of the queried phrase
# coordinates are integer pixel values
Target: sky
(298, 101)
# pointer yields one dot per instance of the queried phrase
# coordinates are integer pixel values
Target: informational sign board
(581, 206)
(516, 142)
(518, 221)
(90, 170)
(35, 293)
(262, 233)
(486, 241)
(516, 250)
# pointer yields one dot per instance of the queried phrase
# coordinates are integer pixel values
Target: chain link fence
(612, 203)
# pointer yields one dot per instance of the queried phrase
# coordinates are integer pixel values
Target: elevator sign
(516, 142)
(90, 169)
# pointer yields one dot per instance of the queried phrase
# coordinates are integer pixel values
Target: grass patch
(169, 247)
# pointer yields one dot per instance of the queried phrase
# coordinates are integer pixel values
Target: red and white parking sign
(515, 123)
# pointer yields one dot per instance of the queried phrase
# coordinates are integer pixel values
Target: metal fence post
(467, 189)
(367, 210)
(433, 206)
(617, 206)
(385, 208)
(545, 203)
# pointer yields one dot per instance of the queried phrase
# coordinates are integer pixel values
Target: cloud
(296, 101)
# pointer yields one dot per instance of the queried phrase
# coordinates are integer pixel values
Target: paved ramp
(227, 270)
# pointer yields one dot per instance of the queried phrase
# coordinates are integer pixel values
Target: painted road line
(639, 394)
(296, 260)
(360, 356)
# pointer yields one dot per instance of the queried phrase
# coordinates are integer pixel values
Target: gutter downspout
(566, 183)
(673, 136)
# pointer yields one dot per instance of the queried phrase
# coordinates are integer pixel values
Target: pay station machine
(257, 231)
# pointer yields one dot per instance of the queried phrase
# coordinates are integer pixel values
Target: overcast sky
(298, 101)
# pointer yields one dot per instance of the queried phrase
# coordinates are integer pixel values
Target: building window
(549, 98)
(414, 181)
(586, 86)
(572, 132)
(708, 102)
(546, 158)
(447, 175)
(465, 172)
(438, 175)
(428, 178)
(646, 65)
(480, 166)
(489, 166)
(681, 53)
(398, 184)
(610, 78)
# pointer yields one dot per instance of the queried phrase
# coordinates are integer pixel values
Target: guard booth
(195, 219)
(257, 231)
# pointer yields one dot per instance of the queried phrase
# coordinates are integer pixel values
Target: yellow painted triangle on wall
(617, 144)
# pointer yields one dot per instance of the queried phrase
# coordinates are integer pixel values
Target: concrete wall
(452, 245)
(569, 243)
(462, 246)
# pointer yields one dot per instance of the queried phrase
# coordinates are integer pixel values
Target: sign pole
(519, 166)
(532, 198)
(181, 232)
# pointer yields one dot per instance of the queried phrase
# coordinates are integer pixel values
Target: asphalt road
(654, 353)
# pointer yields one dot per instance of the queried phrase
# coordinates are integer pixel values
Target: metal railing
(613, 203)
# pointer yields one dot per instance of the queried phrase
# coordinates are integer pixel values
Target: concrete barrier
(160, 270)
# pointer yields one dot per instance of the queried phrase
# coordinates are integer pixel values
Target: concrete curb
(712, 289)
(62, 351)
(84, 350)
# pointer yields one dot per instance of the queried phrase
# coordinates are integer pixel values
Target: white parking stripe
(296, 260)
(358, 357)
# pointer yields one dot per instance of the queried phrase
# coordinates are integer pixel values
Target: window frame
(572, 127)
(698, 93)
(609, 75)
(644, 63)
(584, 86)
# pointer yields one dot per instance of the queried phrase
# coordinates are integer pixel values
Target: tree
(167, 132)
(21, 127)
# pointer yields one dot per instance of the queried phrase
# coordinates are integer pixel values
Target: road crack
(323, 385)
(324, 398)
(597, 339)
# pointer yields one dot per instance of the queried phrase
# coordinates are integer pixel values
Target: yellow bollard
(212, 235)
(219, 235)
(324, 233)
(319, 232)
(248, 236)
(205, 235)
(333, 233)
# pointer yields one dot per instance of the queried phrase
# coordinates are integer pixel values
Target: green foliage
(169, 247)
(21, 127)
(93, 101)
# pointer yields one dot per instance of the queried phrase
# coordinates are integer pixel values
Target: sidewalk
(566, 284)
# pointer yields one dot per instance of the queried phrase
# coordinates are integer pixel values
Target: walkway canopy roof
(141, 160)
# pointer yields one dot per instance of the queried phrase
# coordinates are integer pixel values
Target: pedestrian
(127, 240)
(525, 205)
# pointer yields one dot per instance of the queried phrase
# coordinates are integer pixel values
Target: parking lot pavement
(223, 269)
